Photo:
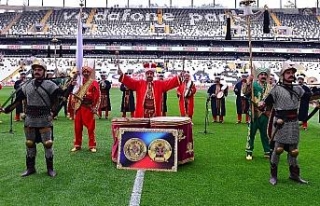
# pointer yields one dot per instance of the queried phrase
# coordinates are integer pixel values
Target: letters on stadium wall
(134, 15)
(128, 15)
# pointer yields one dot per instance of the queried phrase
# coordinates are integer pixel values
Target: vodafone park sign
(128, 15)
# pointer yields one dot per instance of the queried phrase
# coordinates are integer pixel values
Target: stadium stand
(183, 23)
(207, 25)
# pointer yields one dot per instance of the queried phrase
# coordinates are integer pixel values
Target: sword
(279, 124)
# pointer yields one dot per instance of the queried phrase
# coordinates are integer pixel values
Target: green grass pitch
(220, 174)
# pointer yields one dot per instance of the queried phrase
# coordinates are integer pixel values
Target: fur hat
(260, 69)
(22, 71)
(50, 71)
(301, 76)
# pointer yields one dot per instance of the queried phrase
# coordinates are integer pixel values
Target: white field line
(137, 189)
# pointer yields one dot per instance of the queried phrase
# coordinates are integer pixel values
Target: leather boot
(295, 174)
(30, 163)
(50, 170)
(274, 174)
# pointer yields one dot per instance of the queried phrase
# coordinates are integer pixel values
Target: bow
(314, 111)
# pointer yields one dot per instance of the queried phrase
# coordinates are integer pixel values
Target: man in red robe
(185, 93)
(148, 91)
(86, 104)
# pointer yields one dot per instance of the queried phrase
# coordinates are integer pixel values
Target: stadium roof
(158, 3)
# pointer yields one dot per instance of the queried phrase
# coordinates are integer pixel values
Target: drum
(220, 94)
(185, 138)
(125, 123)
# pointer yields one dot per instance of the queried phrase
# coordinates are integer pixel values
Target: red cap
(150, 66)
(86, 68)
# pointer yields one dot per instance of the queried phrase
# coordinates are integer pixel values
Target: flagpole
(79, 51)
(248, 20)
(55, 41)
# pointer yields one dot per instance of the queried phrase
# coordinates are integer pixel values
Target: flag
(228, 32)
(79, 54)
(266, 22)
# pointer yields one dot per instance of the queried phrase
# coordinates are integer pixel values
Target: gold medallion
(135, 149)
(159, 150)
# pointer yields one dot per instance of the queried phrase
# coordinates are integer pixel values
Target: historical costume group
(283, 104)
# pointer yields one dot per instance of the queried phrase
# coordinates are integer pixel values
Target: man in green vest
(259, 118)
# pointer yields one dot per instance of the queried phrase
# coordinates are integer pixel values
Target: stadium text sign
(128, 15)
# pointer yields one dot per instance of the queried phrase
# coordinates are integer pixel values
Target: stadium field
(220, 174)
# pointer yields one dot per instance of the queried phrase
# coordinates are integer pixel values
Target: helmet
(40, 63)
(288, 66)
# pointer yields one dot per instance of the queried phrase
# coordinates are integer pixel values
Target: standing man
(285, 98)
(261, 89)
(50, 75)
(86, 104)
(62, 82)
(164, 98)
(41, 102)
(127, 101)
(105, 104)
(217, 93)
(149, 92)
(73, 75)
(185, 93)
(17, 85)
(272, 80)
(304, 102)
(242, 102)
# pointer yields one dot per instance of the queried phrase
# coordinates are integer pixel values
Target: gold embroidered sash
(80, 94)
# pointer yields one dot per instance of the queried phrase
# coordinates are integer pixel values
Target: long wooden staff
(250, 63)
(117, 59)
(183, 63)
(251, 110)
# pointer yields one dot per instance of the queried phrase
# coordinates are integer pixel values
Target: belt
(87, 102)
(287, 115)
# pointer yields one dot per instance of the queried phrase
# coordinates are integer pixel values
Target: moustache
(263, 78)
